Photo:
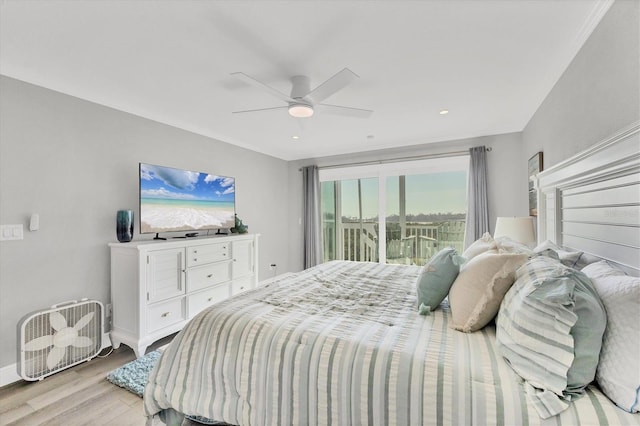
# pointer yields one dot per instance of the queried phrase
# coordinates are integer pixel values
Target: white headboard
(591, 202)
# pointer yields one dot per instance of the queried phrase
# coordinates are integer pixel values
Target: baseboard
(9, 374)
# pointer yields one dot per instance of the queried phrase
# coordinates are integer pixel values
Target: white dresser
(158, 286)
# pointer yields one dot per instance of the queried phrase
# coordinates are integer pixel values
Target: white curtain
(311, 217)
(477, 207)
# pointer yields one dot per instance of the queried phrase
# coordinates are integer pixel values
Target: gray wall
(506, 176)
(76, 163)
(597, 95)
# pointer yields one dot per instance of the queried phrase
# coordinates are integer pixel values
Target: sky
(427, 193)
(175, 184)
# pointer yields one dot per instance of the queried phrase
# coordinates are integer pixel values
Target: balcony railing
(415, 244)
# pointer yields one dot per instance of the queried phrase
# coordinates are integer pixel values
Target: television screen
(183, 200)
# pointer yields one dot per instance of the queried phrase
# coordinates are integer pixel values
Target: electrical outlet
(11, 232)
(109, 310)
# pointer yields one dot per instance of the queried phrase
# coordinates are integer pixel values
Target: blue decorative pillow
(549, 329)
(436, 278)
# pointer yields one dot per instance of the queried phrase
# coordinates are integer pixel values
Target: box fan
(64, 335)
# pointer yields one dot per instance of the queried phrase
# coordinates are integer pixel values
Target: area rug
(135, 375)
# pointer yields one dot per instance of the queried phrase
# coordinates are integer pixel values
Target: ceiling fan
(303, 101)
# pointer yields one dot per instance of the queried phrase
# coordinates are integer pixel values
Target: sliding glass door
(350, 219)
(403, 214)
(425, 213)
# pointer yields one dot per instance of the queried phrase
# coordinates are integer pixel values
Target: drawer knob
(209, 276)
(195, 251)
(166, 314)
(195, 259)
(210, 299)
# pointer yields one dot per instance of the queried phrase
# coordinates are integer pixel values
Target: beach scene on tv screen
(181, 200)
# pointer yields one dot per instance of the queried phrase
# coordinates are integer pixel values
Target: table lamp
(519, 229)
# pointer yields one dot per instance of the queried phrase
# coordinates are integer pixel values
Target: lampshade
(519, 229)
(300, 110)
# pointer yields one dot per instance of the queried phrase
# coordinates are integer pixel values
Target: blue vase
(124, 225)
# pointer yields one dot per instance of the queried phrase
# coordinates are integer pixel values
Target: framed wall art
(535, 167)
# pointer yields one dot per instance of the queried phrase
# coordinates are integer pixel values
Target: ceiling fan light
(300, 110)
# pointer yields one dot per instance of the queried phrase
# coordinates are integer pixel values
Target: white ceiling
(490, 63)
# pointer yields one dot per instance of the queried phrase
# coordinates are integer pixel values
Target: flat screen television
(183, 200)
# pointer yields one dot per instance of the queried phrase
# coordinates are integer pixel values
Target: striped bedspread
(342, 343)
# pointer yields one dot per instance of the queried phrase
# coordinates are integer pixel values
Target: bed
(343, 342)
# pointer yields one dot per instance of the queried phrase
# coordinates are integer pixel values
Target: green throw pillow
(436, 278)
(587, 334)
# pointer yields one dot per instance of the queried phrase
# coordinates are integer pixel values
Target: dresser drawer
(164, 314)
(203, 299)
(208, 275)
(241, 285)
(200, 255)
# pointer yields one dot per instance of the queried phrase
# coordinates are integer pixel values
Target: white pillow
(479, 246)
(567, 258)
(507, 245)
(618, 371)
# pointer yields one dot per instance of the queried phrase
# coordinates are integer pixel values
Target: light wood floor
(80, 395)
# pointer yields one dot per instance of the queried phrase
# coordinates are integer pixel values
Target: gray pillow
(436, 278)
(568, 258)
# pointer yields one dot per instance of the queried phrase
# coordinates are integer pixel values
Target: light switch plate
(11, 232)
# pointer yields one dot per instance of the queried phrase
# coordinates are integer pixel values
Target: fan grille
(33, 363)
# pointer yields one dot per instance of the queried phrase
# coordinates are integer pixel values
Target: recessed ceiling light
(295, 137)
(444, 112)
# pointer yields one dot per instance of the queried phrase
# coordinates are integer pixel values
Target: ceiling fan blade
(331, 86)
(252, 81)
(342, 110)
(258, 110)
